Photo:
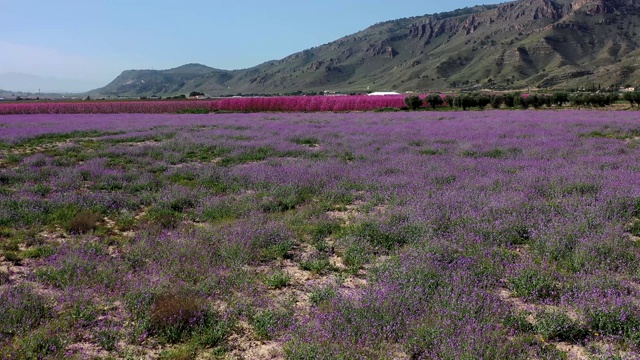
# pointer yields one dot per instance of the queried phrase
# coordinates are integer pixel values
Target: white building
(384, 93)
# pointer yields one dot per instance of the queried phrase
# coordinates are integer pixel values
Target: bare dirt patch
(245, 346)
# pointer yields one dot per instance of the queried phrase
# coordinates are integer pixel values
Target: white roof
(382, 93)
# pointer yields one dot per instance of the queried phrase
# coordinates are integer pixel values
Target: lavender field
(424, 235)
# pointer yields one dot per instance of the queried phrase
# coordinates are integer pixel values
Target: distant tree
(560, 98)
(413, 102)
(600, 100)
(520, 101)
(482, 100)
(633, 97)
(541, 100)
(497, 101)
(195, 93)
(434, 100)
(578, 99)
(467, 101)
(450, 100)
(509, 100)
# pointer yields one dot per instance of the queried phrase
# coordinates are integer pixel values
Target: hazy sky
(93, 41)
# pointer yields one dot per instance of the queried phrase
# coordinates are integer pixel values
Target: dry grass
(84, 222)
(175, 311)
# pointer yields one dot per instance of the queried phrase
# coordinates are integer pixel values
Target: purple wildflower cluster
(428, 235)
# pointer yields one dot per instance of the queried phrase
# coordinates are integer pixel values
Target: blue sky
(92, 41)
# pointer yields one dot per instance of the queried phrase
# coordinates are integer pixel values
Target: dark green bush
(434, 100)
(413, 102)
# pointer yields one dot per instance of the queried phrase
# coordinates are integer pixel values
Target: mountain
(525, 43)
(18, 82)
(183, 79)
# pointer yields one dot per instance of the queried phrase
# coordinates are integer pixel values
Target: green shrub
(308, 141)
(431, 152)
(13, 257)
(83, 264)
(38, 252)
(166, 218)
(356, 254)
(250, 155)
(322, 229)
(277, 251)
(107, 338)
(424, 338)
(300, 350)
(635, 228)
(317, 265)
(511, 234)
(556, 325)
(533, 284)
(184, 352)
(394, 232)
(180, 204)
(47, 342)
(322, 294)
(582, 189)
(278, 279)
(212, 331)
(268, 322)
(223, 210)
(287, 198)
(616, 321)
(83, 312)
(125, 221)
(518, 322)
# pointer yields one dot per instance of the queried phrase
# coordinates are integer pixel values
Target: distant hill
(183, 79)
(525, 43)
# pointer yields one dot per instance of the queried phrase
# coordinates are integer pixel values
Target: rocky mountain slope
(525, 43)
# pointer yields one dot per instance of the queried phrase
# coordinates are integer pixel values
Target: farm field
(422, 235)
(244, 104)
